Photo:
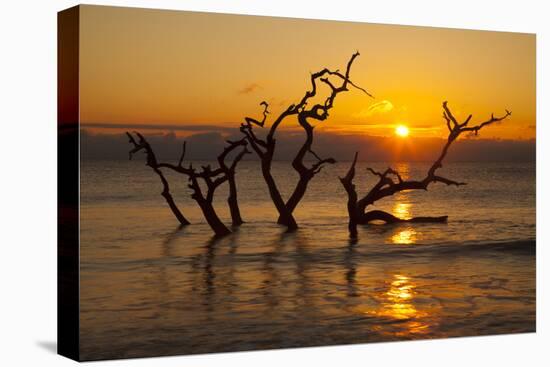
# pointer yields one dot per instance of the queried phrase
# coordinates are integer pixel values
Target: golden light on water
(401, 289)
(404, 237)
(402, 210)
(397, 303)
(404, 170)
(402, 131)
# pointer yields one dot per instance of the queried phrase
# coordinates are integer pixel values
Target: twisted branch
(391, 182)
(250, 120)
(151, 161)
(337, 82)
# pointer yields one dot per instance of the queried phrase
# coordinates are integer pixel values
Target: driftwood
(212, 178)
(391, 182)
(152, 162)
(265, 148)
(229, 172)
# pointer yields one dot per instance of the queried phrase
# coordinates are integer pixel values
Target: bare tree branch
(250, 120)
(229, 172)
(182, 154)
(318, 112)
(388, 186)
(265, 148)
(152, 162)
(347, 182)
(212, 178)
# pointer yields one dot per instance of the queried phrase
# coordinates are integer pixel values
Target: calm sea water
(150, 288)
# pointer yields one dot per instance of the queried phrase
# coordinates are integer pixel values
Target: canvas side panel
(68, 183)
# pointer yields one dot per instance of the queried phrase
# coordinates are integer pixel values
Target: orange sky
(156, 67)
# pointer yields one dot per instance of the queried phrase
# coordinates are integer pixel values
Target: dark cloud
(200, 146)
(426, 126)
(170, 127)
(206, 146)
(250, 88)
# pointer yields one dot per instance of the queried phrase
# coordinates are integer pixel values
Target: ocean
(151, 287)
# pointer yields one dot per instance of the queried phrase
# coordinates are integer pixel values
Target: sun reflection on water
(402, 210)
(397, 303)
(403, 168)
(405, 236)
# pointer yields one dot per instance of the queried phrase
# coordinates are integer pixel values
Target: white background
(28, 183)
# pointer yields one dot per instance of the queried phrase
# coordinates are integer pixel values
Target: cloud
(206, 146)
(250, 88)
(200, 146)
(171, 127)
(376, 108)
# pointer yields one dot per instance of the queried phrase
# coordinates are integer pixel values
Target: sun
(402, 131)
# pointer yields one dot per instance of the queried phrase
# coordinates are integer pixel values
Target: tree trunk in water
(233, 203)
(298, 165)
(390, 181)
(304, 110)
(352, 212)
(229, 171)
(286, 217)
(293, 201)
(347, 182)
(212, 218)
(152, 162)
(169, 199)
(177, 213)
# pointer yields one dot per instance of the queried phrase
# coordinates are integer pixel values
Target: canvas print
(232, 183)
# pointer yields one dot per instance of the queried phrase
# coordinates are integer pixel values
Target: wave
(520, 247)
(326, 256)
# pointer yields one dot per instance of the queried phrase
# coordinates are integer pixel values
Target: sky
(186, 73)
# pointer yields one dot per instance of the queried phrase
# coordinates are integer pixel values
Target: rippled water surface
(151, 288)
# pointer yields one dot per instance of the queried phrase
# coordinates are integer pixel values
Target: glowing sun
(402, 130)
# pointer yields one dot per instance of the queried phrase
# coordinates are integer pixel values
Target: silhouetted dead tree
(229, 172)
(265, 148)
(152, 162)
(212, 178)
(391, 182)
(206, 199)
(353, 213)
